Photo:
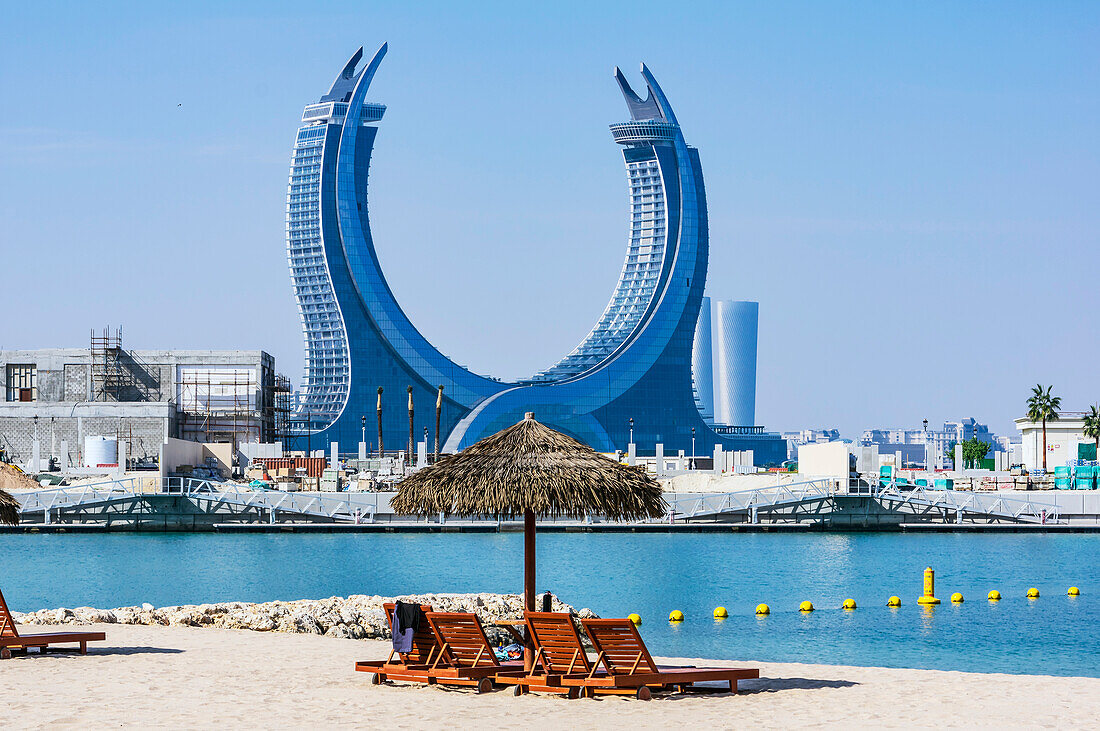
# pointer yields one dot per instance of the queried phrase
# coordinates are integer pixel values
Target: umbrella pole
(529, 583)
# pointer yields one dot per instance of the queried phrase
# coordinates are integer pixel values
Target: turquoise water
(648, 574)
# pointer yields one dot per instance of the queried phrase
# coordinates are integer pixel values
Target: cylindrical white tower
(735, 362)
(702, 364)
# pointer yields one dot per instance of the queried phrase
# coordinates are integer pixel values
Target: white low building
(1063, 436)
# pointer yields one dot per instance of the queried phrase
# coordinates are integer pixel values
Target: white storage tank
(100, 451)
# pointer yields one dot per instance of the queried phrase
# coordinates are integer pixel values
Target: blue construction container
(1084, 477)
(1061, 478)
(885, 474)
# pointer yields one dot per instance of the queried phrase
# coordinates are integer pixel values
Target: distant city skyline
(881, 179)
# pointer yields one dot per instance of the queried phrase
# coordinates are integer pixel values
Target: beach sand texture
(185, 677)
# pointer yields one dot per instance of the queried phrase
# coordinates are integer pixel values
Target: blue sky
(908, 189)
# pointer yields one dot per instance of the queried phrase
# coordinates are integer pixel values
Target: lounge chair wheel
(643, 694)
(518, 691)
(573, 693)
(377, 679)
(5, 654)
(484, 685)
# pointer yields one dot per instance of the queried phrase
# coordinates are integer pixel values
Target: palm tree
(1042, 406)
(1092, 425)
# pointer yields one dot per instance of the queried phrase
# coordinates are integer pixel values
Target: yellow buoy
(763, 609)
(1074, 591)
(720, 613)
(806, 607)
(634, 618)
(994, 596)
(675, 616)
(929, 596)
(1033, 593)
(957, 598)
(894, 601)
(849, 604)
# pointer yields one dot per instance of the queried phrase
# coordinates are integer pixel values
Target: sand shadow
(706, 689)
(755, 686)
(772, 685)
(134, 651)
(67, 652)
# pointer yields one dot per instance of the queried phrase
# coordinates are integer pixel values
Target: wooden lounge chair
(410, 666)
(10, 638)
(562, 664)
(630, 667)
(466, 656)
(559, 653)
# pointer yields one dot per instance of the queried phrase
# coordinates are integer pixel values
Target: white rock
(358, 616)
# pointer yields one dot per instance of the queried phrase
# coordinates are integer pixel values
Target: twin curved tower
(633, 367)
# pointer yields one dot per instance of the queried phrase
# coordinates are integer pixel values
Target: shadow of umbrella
(531, 470)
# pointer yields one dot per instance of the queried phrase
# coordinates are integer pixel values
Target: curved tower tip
(349, 68)
(657, 95)
(639, 108)
(345, 82)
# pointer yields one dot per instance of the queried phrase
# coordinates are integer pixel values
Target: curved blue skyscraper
(357, 337)
(634, 364)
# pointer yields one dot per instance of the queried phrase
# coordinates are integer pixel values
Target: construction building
(59, 396)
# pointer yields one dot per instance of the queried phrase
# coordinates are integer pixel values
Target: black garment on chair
(406, 622)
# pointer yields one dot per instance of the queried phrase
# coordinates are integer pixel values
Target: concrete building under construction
(57, 397)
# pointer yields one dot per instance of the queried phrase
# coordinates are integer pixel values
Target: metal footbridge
(121, 499)
(985, 505)
(823, 498)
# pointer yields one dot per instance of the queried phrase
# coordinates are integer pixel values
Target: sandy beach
(184, 677)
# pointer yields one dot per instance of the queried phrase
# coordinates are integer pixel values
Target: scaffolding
(220, 405)
(118, 375)
(108, 378)
(281, 408)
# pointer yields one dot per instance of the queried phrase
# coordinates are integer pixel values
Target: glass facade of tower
(326, 377)
(640, 274)
(634, 364)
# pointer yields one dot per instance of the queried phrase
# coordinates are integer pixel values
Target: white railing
(359, 507)
(750, 501)
(1023, 509)
(352, 507)
(86, 494)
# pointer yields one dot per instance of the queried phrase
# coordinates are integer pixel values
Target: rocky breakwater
(355, 617)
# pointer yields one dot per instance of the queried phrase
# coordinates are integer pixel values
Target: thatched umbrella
(9, 509)
(530, 469)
